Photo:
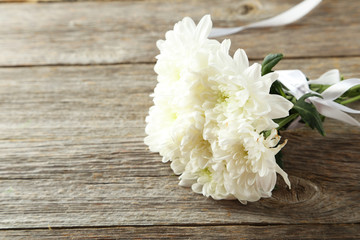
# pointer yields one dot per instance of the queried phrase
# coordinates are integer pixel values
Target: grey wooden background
(75, 79)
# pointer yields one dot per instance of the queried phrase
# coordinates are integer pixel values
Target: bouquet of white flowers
(216, 118)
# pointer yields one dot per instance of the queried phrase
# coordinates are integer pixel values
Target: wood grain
(73, 164)
(71, 154)
(52, 1)
(295, 232)
(126, 31)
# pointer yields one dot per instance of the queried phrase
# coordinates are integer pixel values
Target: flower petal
(203, 28)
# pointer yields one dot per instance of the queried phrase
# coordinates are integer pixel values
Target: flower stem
(350, 100)
(357, 87)
(286, 120)
(319, 87)
(282, 92)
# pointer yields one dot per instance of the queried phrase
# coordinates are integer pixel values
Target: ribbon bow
(297, 85)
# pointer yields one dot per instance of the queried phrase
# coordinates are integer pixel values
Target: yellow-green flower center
(222, 97)
(206, 172)
(174, 116)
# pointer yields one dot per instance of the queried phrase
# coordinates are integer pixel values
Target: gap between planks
(250, 224)
(153, 62)
(325, 231)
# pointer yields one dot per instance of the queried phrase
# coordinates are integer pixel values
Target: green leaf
(279, 160)
(269, 62)
(308, 113)
(277, 88)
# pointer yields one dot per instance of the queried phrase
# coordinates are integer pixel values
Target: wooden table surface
(75, 79)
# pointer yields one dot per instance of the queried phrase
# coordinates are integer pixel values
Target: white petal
(279, 106)
(203, 28)
(241, 59)
(267, 183)
(189, 25)
(284, 175)
(177, 167)
(253, 72)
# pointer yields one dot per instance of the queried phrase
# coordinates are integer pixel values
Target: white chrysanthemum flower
(186, 49)
(176, 116)
(174, 135)
(251, 165)
(243, 167)
(242, 92)
(208, 114)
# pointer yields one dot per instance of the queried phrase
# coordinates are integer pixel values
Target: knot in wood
(242, 9)
(246, 8)
(301, 190)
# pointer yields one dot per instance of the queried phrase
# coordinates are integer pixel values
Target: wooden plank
(52, 1)
(97, 115)
(330, 231)
(71, 154)
(126, 31)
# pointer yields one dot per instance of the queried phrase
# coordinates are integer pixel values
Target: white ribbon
(297, 85)
(287, 17)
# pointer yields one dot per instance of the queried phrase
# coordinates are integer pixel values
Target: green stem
(355, 88)
(319, 87)
(350, 100)
(286, 120)
(282, 92)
